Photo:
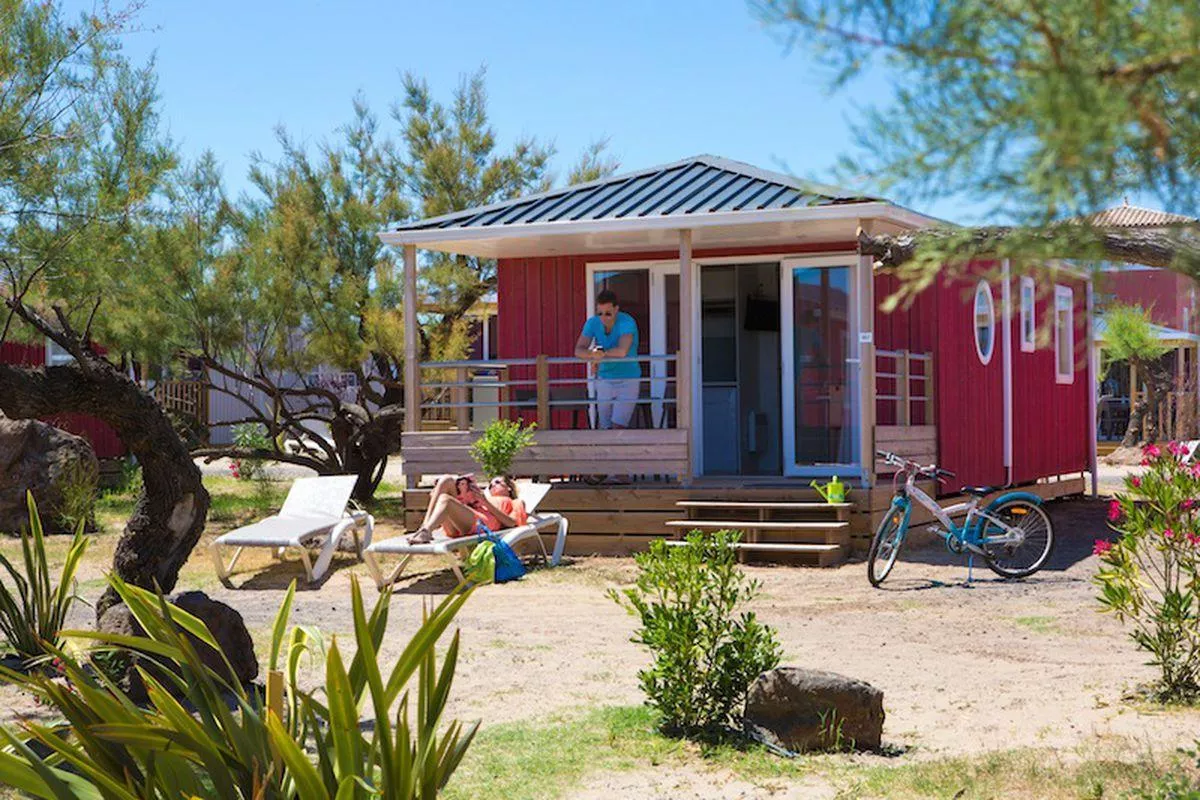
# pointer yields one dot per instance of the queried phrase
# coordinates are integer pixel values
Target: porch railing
(903, 387)
(556, 392)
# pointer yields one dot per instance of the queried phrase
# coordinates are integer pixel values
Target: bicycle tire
(1034, 513)
(889, 528)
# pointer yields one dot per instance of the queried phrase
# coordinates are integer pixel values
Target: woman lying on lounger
(460, 507)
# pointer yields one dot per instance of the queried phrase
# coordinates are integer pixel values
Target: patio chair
(313, 515)
(450, 548)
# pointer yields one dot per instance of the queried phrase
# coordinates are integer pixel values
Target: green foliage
(250, 436)
(1150, 576)
(1048, 109)
(705, 654)
(1129, 335)
(1175, 784)
(32, 606)
(78, 485)
(594, 164)
(499, 444)
(232, 746)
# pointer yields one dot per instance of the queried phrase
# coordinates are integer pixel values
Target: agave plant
(203, 735)
(32, 606)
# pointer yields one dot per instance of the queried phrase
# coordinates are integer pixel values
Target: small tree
(1129, 337)
(1150, 577)
(706, 655)
(499, 445)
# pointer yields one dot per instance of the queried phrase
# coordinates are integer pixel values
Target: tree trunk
(171, 511)
(1143, 415)
(1176, 249)
(364, 444)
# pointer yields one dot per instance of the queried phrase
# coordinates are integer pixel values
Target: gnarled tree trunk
(173, 506)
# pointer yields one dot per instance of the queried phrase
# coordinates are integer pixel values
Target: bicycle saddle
(980, 491)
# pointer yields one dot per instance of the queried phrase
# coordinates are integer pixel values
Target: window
(1064, 334)
(56, 355)
(1028, 315)
(985, 322)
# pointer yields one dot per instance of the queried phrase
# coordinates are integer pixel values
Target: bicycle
(1013, 533)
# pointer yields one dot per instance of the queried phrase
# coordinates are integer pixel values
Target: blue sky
(662, 80)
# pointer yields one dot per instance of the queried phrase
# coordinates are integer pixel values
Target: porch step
(743, 525)
(823, 554)
(767, 505)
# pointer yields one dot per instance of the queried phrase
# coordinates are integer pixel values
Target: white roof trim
(873, 210)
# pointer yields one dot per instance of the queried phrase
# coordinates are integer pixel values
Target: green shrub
(1150, 577)
(500, 443)
(250, 436)
(32, 607)
(705, 654)
(78, 484)
(207, 737)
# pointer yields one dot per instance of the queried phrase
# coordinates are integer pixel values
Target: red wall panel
(1050, 420)
(969, 394)
(1163, 293)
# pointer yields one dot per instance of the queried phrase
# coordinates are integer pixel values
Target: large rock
(38, 457)
(224, 623)
(806, 709)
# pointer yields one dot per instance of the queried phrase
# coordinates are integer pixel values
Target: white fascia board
(902, 216)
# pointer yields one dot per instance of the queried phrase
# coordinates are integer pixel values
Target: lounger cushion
(278, 531)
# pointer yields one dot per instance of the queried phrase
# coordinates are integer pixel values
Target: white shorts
(615, 401)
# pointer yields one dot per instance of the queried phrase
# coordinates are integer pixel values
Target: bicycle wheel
(1023, 558)
(885, 546)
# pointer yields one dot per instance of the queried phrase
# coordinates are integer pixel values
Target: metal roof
(699, 185)
(1128, 216)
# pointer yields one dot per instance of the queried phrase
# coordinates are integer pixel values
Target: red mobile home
(767, 360)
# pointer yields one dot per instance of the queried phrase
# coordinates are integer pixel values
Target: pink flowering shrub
(1149, 576)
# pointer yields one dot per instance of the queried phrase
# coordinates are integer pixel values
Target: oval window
(985, 322)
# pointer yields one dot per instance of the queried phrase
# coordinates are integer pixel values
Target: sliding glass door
(820, 367)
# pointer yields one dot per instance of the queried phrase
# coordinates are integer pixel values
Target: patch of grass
(1045, 625)
(553, 758)
(1008, 773)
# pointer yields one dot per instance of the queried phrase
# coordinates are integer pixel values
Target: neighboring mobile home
(767, 362)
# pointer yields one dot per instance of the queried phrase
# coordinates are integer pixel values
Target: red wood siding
(911, 327)
(1050, 420)
(969, 394)
(1163, 293)
(103, 438)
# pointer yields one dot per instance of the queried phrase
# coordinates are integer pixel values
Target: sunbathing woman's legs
(446, 510)
(443, 487)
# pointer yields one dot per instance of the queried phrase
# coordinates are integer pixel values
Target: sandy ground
(964, 669)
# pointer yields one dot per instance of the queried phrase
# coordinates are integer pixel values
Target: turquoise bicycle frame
(970, 534)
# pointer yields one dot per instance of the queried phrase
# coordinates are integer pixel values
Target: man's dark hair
(607, 297)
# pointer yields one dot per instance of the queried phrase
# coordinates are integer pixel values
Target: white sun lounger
(531, 494)
(314, 514)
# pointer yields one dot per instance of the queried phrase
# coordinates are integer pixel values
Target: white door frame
(788, 365)
(658, 272)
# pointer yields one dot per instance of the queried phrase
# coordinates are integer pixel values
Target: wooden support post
(412, 338)
(543, 392)
(458, 396)
(688, 284)
(903, 414)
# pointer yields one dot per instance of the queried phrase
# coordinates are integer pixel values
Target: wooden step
(738, 525)
(764, 505)
(775, 546)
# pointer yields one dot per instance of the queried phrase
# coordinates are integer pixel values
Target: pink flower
(1114, 511)
(1136, 482)
(1151, 451)
(1168, 534)
(1195, 471)
(1187, 504)
(1176, 449)
(1101, 547)
(1193, 539)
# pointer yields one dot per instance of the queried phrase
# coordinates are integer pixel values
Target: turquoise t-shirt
(623, 324)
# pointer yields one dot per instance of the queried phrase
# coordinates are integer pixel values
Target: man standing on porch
(612, 334)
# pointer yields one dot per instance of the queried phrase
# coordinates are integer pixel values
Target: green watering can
(833, 492)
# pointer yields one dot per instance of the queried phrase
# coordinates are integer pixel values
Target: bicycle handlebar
(908, 464)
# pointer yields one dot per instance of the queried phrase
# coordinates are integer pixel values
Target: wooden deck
(620, 520)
